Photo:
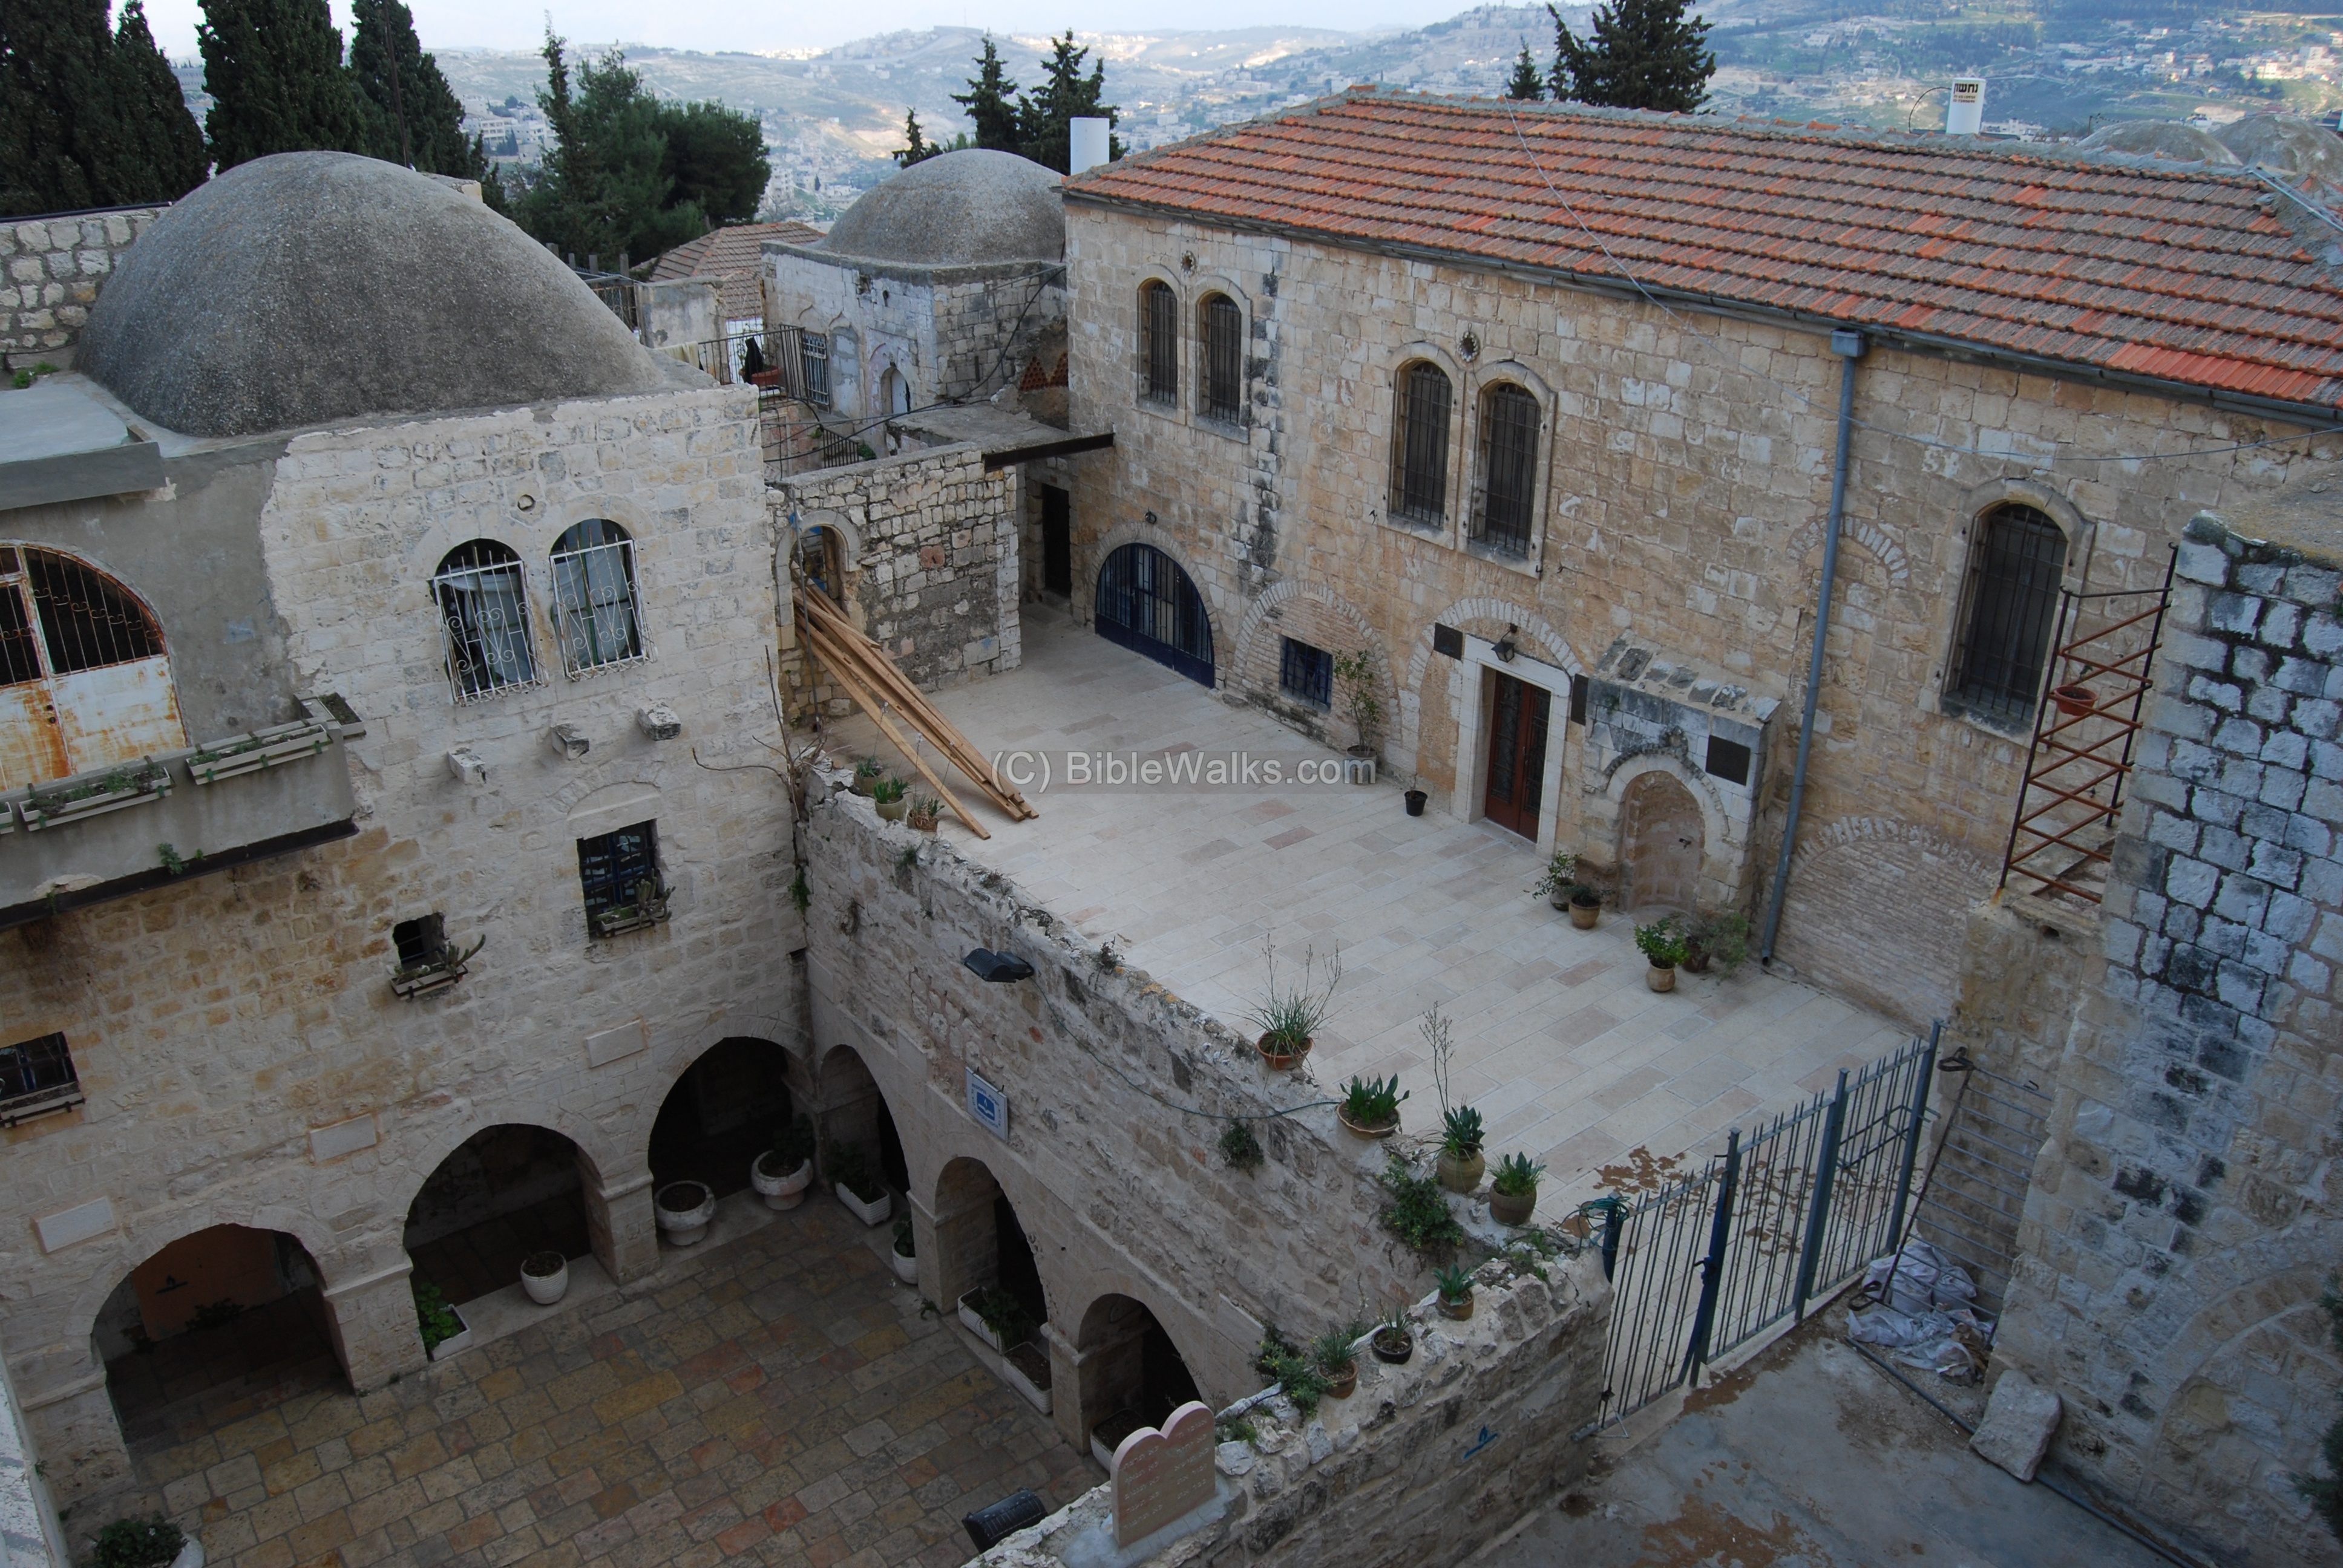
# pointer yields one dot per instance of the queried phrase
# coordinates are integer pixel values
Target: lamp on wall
(1506, 648)
(1000, 968)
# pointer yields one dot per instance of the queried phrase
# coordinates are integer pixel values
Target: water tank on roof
(1965, 114)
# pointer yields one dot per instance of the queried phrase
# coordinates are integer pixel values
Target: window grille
(87, 621)
(813, 358)
(484, 611)
(2015, 565)
(37, 1077)
(1507, 494)
(20, 656)
(1222, 342)
(420, 941)
(614, 868)
(1418, 487)
(1159, 331)
(595, 619)
(1307, 673)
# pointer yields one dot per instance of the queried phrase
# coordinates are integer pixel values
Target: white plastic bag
(1920, 1277)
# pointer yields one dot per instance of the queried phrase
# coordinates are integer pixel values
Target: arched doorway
(1132, 1375)
(854, 1116)
(1660, 844)
(507, 1191)
(982, 1246)
(725, 1110)
(1146, 604)
(209, 1327)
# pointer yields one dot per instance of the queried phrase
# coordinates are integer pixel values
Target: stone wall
(1422, 1466)
(2184, 1213)
(954, 334)
(51, 270)
(1684, 481)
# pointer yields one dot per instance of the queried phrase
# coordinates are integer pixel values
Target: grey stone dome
(2159, 139)
(309, 287)
(963, 209)
(2288, 143)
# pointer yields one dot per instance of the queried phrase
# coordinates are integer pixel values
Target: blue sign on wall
(987, 1105)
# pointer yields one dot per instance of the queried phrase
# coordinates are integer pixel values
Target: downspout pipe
(1848, 346)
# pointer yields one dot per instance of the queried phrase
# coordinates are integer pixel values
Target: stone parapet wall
(51, 270)
(2187, 1210)
(1422, 1466)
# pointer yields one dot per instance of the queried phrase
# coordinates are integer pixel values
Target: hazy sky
(799, 23)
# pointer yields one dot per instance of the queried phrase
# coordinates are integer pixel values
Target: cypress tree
(990, 103)
(162, 142)
(1528, 85)
(88, 117)
(1045, 117)
(273, 69)
(1640, 54)
(412, 115)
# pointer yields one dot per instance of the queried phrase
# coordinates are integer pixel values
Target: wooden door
(1518, 734)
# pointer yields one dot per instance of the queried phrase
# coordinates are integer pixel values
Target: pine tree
(1528, 85)
(83, 123)
(715, 161)
(165, 145)
(991, 103)
(1640, 54)
(412, 117)
(273, 69)
(1045, 118)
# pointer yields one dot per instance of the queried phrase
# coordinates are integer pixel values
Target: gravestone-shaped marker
(1160, 1477)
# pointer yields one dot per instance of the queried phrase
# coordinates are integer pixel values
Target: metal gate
(1146, 604)
(1780, 1219)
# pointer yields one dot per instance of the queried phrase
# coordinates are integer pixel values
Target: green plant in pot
(926, 813)
(1585, 905)
(1370, 1107)
(1662, 945)
(1512, 1191)
(889, 796)
(1460, 1164)
(1337, 1362)
(1455, 1283)
(1558, 878)
(867, 774)
(1718, 941)
(1394, 1341)
(147, 1542)
(1291, 1016)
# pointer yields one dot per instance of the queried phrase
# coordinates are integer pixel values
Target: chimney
(1089, 143)
(1965, 114)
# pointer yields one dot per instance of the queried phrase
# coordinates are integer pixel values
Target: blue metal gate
(1146, 604)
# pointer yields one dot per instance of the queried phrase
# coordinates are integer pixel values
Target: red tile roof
(2178, 275)
(737, 255)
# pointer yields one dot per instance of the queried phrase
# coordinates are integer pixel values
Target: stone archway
(1662, 839)
(726, 1108)
(853, 1114)
(1128, 1373)
(981, 1243)
(506, 1192)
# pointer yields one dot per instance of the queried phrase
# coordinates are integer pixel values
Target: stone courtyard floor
(1560, 1043)
(781, 1398)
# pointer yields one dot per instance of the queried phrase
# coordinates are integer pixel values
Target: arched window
(85, 681)
(1505, 493)
(822, 563)
(595, 619)
(1219, 340)
(484, 611)
(1159, 342)
(2018, 559)
(1419, 484)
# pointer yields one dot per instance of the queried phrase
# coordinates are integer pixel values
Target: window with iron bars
(1306, 673)
(484, 613)
(1419, 484)
(595, 620)
(1220, 345)
(1159, 342)
(86, 620)
(614, 869)
(813, 360)
(2016, 562)
(1504, 500)
(36, 1077)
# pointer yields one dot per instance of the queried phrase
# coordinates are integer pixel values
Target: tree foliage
(991, 103)
(273, 69)
(1528, 85)
(412, 117)
(1038, 124)
(1639, 54)
(89, 117)
(917, 149)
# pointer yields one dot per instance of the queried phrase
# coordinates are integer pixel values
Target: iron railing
(1778, 1222)
(1974, 1194)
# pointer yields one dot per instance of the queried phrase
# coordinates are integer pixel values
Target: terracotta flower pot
(1584, 916)
(1461, 1175)
(1343, 1384)
(1459, 1311)
(1660, 979)
(1279, 1060)
(1512, 1208)
(2074, 701)
(1343, 1116)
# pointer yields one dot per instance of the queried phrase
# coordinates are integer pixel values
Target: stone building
(368, 594)
(1536, 407)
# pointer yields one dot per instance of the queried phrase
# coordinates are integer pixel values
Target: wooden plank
(842, 654)
(871, 705)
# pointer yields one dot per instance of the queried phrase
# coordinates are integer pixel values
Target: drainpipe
(1848, 346)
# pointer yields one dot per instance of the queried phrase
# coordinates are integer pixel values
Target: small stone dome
(2287, 144)
(2159, 139)
(309, 287)
(968, 208)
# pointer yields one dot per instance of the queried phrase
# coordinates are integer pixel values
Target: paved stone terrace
(781, 1400)
(1560, 1043)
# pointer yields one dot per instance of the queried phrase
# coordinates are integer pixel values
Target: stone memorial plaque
(1160, 1477)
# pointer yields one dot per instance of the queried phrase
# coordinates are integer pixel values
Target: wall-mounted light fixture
(1000, 968)
(1506, 648)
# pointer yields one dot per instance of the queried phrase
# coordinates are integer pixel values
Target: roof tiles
(2182, 275)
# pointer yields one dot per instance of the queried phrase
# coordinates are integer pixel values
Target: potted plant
(849, 1168)
(925, 812)
(646, 906)
(1291, 1019)
(435, 967)
(993, 1315)
(1355, 673)
(783, 1172)
(443, 1328)
(1455, 1284)
(1029, 1372)
(684, 1210)
(1370, 1106)
(1722, 941)
(867, 774)
(2074, 701)
(1558, 879)
(545, 1276)
(900, 1257)
(1512, 1191)
(153, 1541)
(1662, 945)
(1460, 1164)
(1394, 1341)
(132, 784)
(1337, 1356)
(889, 796)
(1585, 905)
(1415, 798)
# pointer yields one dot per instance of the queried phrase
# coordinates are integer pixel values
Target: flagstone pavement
(782, 1398)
